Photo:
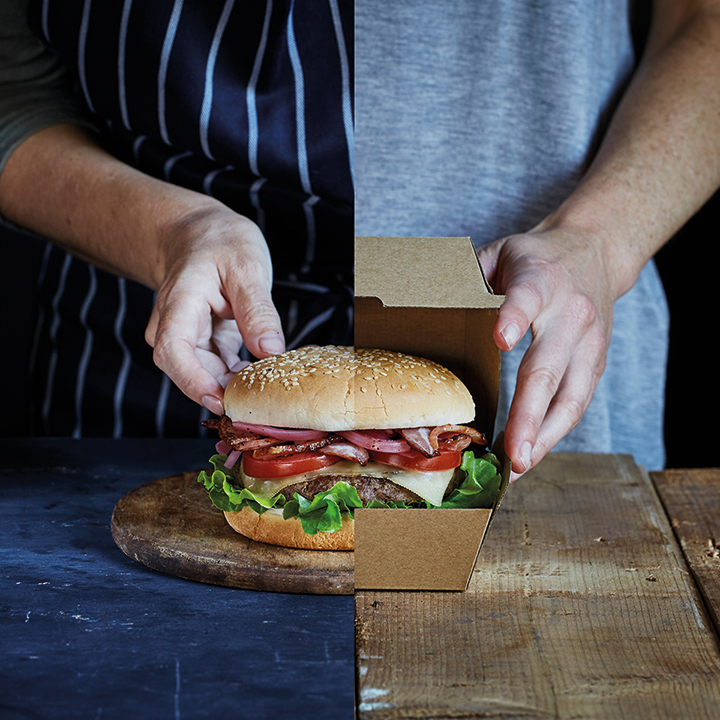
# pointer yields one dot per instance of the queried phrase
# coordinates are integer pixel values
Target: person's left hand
(559, 285)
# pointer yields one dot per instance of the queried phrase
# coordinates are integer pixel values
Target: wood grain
(692, 502)
(170, 525)
(580, 606)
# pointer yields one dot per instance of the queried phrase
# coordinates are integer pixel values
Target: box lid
(422, 272)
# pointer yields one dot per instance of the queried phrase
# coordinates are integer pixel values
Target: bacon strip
(292, 448)
(419, 439)
(455, 442)
(348, 451)
(238, 439)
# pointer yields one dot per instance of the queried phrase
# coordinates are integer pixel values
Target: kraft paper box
(427, 297)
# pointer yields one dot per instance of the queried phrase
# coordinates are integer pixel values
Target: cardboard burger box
(427, 297)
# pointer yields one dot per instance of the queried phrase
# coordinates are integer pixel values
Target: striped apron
(250, 103)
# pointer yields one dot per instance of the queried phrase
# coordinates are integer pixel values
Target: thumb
(488, 255)
(258, 321)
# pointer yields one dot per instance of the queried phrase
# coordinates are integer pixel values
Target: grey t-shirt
(479, 118)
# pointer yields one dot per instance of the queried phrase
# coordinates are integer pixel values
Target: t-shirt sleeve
(35, 87)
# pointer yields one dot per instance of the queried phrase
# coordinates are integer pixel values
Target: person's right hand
(214, 296)
(210, 266)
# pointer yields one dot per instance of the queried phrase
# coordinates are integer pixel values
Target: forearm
(60, 184)
(660, 158)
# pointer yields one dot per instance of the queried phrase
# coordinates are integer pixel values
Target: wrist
(202, 227)
(621, 248)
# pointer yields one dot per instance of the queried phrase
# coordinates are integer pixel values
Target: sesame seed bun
(342, 388)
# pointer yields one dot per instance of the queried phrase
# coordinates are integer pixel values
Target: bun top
(340, 388)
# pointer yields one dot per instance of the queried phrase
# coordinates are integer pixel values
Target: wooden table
(596, 595)
(86, 632)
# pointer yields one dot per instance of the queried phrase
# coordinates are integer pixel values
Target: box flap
(421, 272)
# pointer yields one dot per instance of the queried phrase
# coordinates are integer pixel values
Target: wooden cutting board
(170, 525)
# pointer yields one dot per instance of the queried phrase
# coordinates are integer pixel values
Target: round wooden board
(170, 525)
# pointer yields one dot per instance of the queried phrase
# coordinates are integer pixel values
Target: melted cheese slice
(430, 486)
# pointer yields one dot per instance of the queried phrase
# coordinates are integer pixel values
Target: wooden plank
(580, 606)
(692, 502)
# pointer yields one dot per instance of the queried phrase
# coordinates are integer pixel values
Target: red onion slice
(375, 440)
(222, 448)
(232, 458)
(289, 434)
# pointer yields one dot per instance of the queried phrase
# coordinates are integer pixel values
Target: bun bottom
(273, 529)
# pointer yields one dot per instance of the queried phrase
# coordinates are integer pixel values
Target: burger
(310, 435)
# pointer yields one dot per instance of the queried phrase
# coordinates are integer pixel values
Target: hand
(560, 286)
(214, 296)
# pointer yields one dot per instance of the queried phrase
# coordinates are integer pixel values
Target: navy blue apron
(250, 102)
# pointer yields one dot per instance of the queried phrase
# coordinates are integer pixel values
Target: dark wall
(689, 269)
(20, 259)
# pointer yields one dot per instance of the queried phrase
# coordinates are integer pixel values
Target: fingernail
(272, 343)
(511, 334)
(525, 455)
(213, 404)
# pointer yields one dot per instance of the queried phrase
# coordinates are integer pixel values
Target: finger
(181, 327)
(255, 314)
(523, 303)
(571, 401)
(488, 256)
(539, 378)
(556, 382)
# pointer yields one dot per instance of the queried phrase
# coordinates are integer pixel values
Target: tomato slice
(413, 460)
(285, 465)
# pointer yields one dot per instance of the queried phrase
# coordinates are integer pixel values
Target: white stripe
(139, 140)
(54, 327)
(44, 20)
(209, 179)
(299, 104)
(126, 361)
(41, 312)
(87, 352)
(250, 94)
(346, 92)
(170, 163)
(292, 316)
(161, 406)
(82, 43)
(255, 200)
(302, 159)
(164, 61)
(309, 210)
(209, 72)
(309, 327)
(122, 47)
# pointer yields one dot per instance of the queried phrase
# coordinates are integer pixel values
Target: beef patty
(368, 488)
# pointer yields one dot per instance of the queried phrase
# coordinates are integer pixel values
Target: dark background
(689, 276)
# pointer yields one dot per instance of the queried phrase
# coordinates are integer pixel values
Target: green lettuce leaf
(226, 495)
(481, 485)
(325, 512)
